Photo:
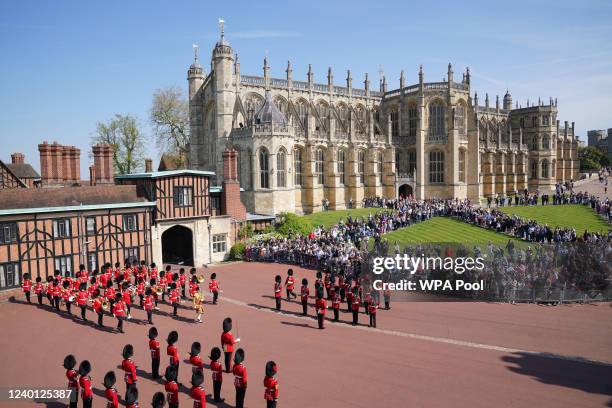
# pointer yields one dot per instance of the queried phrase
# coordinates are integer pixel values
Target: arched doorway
(177, 246)
(405, 190)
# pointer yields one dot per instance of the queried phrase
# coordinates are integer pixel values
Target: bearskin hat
(96, 293)
(277, 278)
(26, 276)
(319, 293)
(131, 396)
(69, 362)
(81, 267)
(213, 276)
(192, 271)
(38, 279)
(182, 271)
(66, 284)
(83, 286)
(227, 324)
(215, 353)
(197, 378)
(271, 368)
(319, 275)
(172, 337)
(153, 333)
(158, 400)
(84, 367)
(92, 280)
(148, 292)
(175, 277)
(153, 265)
(109, 284)
(110, 379)
(290, 272)
(239, 356)
(170, 373)
(196, 348)
(49, 278)
(168, 268)
(304, 281)
(152, 282)
(162, 273)
(118, 296)
(128, 351)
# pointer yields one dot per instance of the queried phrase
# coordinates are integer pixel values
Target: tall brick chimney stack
(92, 175)
(51, 163)
(17, 158)
(148, 165)
(103, 162)
(230, 198)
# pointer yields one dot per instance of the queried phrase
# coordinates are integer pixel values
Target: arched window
(264, 169)
(534, 169)
(379, 166)
(252, 104)
(545, 168)
(361, 165)
(436, 166)
(460, 119)
(534, 142)
(320, 166)
(398, 167)
(323, 112)
(545, 142)
(297, 165)
(394, 114)
(412, 120)
(343, 112)
(462, 165)
(281, 168)
(412, 161)
(302, 111)
(436, 121)
(341, 166)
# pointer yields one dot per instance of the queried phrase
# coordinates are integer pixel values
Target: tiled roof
(23, 170)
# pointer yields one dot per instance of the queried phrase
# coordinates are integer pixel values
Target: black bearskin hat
(305, 282)
(168, 268)
(148, 292)
(125, 285)
(182, 271)
(65, 284)
(172, 337)
(290, 272)
(319, 293)
(85, 367)
(197, 378)
(153, 333)
(83, 286)
(192, 271)
(92, 280)
(356, 289)
(153, 265)
(118, 297)
(271, 368)
(162, 273)
(38, 279)
(128, 351)
(227, 324)
(215, 353)
(96, 293)
(213, 276)
(173, 285)
(170, 373)
(175, 277)
(109, 284)
(110, 379)
(277, 278)
(69, 362)
(239, 356)
(152, 282)
(49, 278)
(26, 276)
(319, 275)
(117, 264)
(131, 396)
(158, 400)
(81, 267)
(196, 348)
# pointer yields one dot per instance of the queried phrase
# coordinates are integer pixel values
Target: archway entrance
(405, 190)
(177, 246)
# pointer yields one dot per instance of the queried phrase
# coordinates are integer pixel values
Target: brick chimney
(103, 162)
(51, 168)
(148, 165)
(92, 175)
(230, 198)
(17, 158)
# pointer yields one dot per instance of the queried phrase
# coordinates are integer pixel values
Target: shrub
(291, 224)
(237, 251)
(246, 231)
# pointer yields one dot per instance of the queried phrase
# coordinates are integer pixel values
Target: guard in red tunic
(172, 350)
(367, 299)
(158, 400)
(213, 286)
(154, 350)
(319, 281)
(119, 312)
(290, 284)
(227, 342)
(240, 377)
(194, 286)
(49, 289)
(149, 304)
(194, 357)
(93, 285)
(182, 282)
(271, 385)
(85, 383)
(197, 391)
(97, 307)
(140, 290)
(321, 308)
(373, 306)
(349, 297)
(126, 296)
(217, 373)
(110, 293)
(278, 290)
(131, 399)
(57, 294)
(336, 300)
(304, 293)
(162, 283)
(66, 294)
(153, 273)
(26, 286)
(81, 300)
(355, 303)
(73, 379)
(171, 387)
(128, 366)
(110, 392)
(117, 271)
(342, 285)
(174, 299)
(328, 285)
(38, 290)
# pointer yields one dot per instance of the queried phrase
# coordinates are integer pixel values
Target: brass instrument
(159, 290)
(105, 305)
(201, 278)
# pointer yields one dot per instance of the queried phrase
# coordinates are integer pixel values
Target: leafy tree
(292, 224)
(123, 133)
(169, 117)
(591, 158)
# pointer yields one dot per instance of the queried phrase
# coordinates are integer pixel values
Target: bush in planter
(237, 251)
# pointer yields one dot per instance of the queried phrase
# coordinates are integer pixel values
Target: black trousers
(228, 360)
(320, 320)
(129, 308)
(27, 294)
(155, 367)
(183, 291)
(68, 304)
(355, 316)
(87, 402)
(215, 297)
(387, 307)
(373, 319)
(100, 318)
(40, 297)
(83, 310)
(56, 302)
(50, 299)
(290, 294)
(141, 297)
(150, 316)
(217, 391)
(120, 324)
(177, 368)
(111, 303)
(336, 314)
(270, 404)
(173, 405)
(240, 393)
(174, 308)
(305, 307)
(127, 388)
(278, 303)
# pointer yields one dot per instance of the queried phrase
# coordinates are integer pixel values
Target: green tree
(591, 158)
(169, 116)
(123, 133)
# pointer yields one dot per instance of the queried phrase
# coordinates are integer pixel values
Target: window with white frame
(219, 243)
(379, 166)
(412, 161)
(412, 120)
(61, 228)
(10, 276)
(394, 123)
(545, 168)
(63, 264)
(8, 232)
(462, 165)
(131, 255)
(534, 169)
(90, 226)
(130, 222)
(183, 196)
(92, 261)
(460, 119)
(436, 166)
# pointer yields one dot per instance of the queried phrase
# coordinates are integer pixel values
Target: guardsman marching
(162, 282)
(336, 300)
(271, 385)
(66, 294)
(85, 383)
(97, 306)
(26, 286)
(158, 400)
(327, 283)
(172, 350)
(119, 312)
(73, 379)
(227, 342)
(213, 286)
(304, 292)
(319, 281)
(109, 294)
(131, 399)
(289, 285)
(110, 392)
(155, 352)
(355, 303)
(140, 290)
(93, 285)
(198, 305)
(129, 367)
(149, 304)
(57, 294)
(38, 290)
(366, 302)
(182, 281)
(278, 289)
(217, 373)
(81, 300)
(194, 357)
(153, 273)
(321, 308)
(373, 306)
(126, 296)
(240, 377)
(174, 298)
(49, 290)
(171, 387)
(197, 392)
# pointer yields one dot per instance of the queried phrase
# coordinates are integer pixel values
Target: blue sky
(65, 65)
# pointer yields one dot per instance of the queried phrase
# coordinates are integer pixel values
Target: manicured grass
(578, 217)
(329, 218)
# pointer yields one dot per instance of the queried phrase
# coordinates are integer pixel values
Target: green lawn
(578, 217)
(329, 218)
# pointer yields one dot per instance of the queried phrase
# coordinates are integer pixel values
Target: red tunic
(271, 386)
(240, 376)
(110, 293)
(38, 288)
(213, 286)
(73, 379)
(227, 342)
(278, 287)
(92, 289)
(182, 279)
(173, 354)
(26, 285)
(85, 383)
(197, 363)
(321, 306)
(304, 293)
(290, 282)
(154, 349)
(81, 298)
(217, 371)
(66, 293)
(112, 400)
(172, 390)
(97, 305)
(130, 371)
(336, 301)
(57, 291)
(127, 297)
(140, 289)
(119, 309)
(199, 397)
(356, 301)
(149, 302)
(174, 296)
(372, 308)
